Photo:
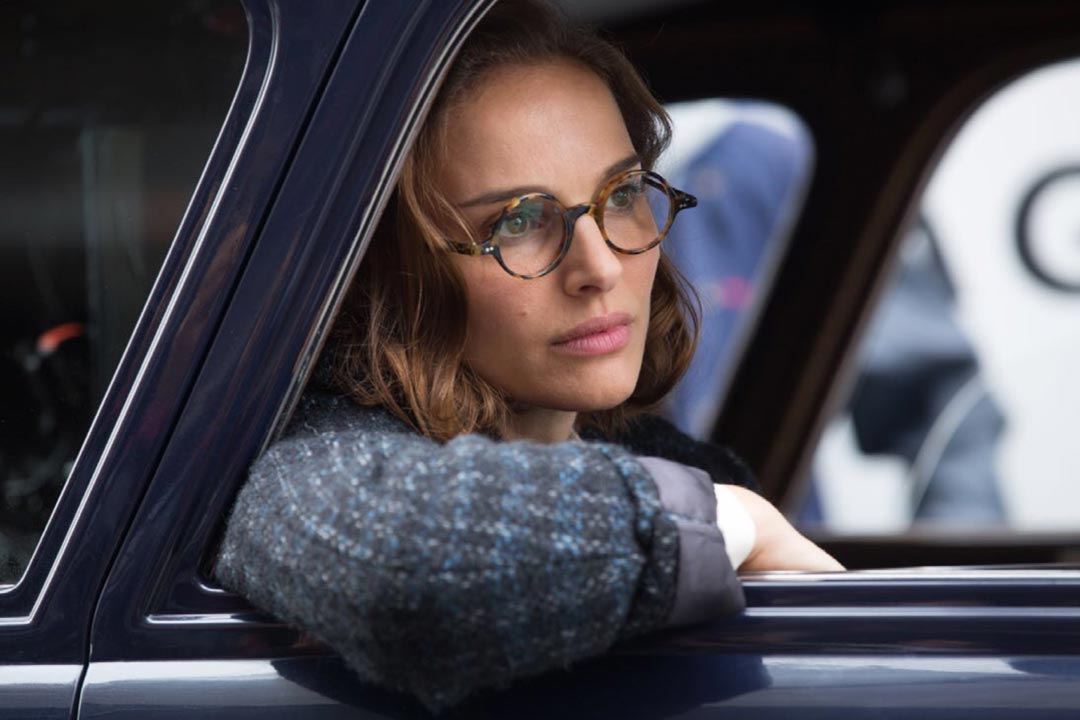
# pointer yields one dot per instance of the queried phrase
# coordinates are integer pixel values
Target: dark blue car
(187, 189)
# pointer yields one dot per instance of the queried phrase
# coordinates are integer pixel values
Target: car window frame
(159, 600)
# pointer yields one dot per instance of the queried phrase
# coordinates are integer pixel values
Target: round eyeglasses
(532, 234)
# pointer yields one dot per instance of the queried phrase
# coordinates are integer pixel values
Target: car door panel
(283, 689)
(42, 692)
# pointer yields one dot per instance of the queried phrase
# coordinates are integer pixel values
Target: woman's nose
(591, 266)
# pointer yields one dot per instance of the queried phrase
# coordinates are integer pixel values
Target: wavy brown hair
(399, 341)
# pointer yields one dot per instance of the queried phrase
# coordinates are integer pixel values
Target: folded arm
(438, 569)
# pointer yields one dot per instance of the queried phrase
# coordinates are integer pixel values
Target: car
(110, 610)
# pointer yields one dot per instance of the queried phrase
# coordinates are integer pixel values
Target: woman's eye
(525, 219)
(624, 196)
(515, 225)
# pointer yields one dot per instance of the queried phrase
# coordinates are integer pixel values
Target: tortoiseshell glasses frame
(678, 200)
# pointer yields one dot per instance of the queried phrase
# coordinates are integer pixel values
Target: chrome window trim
(919, 574)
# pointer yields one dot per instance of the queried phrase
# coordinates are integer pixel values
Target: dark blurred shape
(919, 395)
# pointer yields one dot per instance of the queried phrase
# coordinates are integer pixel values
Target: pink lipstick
(598, 336)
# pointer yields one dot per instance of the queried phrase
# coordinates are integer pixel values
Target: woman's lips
(598, 336)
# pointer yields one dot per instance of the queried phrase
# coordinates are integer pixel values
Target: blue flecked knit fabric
(437, 569)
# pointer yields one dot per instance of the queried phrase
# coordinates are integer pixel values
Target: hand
(778, 545)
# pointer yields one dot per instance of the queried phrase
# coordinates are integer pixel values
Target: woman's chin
(596, 398)
(581, 390)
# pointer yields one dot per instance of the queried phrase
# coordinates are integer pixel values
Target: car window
(748, 163)
(962, 405)
(107, 114)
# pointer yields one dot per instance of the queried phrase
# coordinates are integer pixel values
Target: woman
(432, 513)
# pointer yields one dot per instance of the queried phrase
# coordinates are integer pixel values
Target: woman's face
(554, 128)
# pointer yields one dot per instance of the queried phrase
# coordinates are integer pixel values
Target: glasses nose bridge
(573, 214)
(576, 213)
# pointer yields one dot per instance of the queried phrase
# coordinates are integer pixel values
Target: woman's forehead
(552, 124)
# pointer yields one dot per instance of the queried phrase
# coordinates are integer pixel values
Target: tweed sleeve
(438, 569)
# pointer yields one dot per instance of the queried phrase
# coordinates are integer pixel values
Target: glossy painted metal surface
(42, 692)
(753, 687)
(653, 685)
(284, 689)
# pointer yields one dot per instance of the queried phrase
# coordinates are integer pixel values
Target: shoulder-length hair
(399, 340)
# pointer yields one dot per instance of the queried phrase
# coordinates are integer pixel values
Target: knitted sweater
(438, 569)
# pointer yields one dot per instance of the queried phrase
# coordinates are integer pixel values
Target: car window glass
(963, 408)
(748, 163)
(107, 114)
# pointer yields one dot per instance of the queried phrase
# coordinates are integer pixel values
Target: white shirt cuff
(736, 524)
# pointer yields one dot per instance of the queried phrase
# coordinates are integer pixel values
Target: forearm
(440, 569)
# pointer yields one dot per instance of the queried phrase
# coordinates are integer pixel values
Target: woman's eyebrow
(502, 196)
(627, 163)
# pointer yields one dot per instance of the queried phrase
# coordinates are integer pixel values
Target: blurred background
(959, 411)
